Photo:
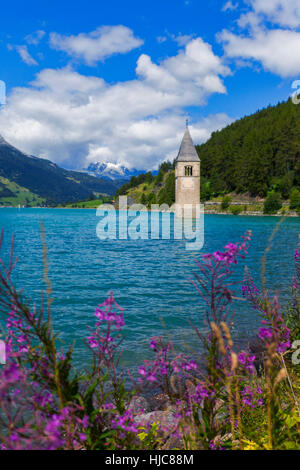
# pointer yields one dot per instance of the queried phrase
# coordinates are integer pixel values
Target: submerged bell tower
(187, 172)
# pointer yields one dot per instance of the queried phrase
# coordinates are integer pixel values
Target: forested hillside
(255, 154)
(148, 188)
(25, 179)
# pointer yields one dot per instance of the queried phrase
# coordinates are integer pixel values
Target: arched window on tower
(188, 171)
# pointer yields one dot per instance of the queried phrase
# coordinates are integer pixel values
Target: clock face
(188, 183)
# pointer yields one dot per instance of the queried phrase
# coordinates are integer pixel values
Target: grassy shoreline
(206, 212)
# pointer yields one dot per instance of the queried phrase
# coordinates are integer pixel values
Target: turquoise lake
(149, 278)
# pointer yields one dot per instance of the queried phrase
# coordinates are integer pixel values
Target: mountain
(254, 154)
(112, 171)
(151, 188)
(43, 181)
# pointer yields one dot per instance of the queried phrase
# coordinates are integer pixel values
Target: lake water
(149, 278)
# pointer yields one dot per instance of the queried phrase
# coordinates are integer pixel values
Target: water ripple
(150, 279)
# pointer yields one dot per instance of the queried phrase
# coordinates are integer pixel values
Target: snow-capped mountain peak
(112, 171)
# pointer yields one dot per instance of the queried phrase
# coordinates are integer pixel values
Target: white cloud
(182, 39)
(148, 142)
(74, 119)
(277, 49)
(97, 45)
(196, 68)
(230, 6)
(25, 56)
(198, 63)
(22, 50)
(282, 12)
(35, 37)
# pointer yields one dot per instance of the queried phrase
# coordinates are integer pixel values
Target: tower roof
(187, 151)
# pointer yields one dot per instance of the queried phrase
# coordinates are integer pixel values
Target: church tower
(187, 172)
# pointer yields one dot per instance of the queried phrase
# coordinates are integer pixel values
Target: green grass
(20, 195)
(15, 195)
(88, 204)
(146, 189)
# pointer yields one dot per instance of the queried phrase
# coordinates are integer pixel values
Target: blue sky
(113, 81)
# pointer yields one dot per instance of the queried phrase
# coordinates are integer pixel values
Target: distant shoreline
(208, 212)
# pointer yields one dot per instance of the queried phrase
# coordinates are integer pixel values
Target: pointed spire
(187, 151)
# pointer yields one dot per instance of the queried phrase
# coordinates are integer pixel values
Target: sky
(114, 81)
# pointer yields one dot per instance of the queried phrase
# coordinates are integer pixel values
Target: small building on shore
(187, 173)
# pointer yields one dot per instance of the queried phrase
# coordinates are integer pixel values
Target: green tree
(295, 199)
(134, 181)
(149, 177)
(225, 202)
(166, 166)
(159, 177)
(144, 199)
(167, 193)
(286, 184)
(151, 199)
(249, 154)
(205, 191)
(272, 203)
(236, 210)
(257, 179)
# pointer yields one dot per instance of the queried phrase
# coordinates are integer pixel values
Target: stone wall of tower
(187, 187)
